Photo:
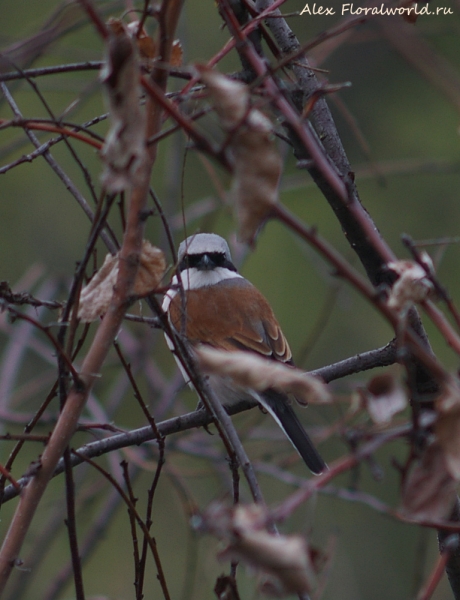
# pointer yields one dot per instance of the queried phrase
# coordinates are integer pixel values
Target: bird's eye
(194, 260)
(189, 261)
(218, 259)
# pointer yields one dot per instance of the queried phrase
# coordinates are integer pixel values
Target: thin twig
(95, 535)
(59, 172)
(140, 522)
(19, 315)
(89, 65)
(30, 124)
(72, 528)
(132, 522)
(438, 571)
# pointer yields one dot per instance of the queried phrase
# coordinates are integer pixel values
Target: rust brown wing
(230, 321)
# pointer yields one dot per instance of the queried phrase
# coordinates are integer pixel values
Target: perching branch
(200, 418)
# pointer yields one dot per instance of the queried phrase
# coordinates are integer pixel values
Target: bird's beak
(206, 263)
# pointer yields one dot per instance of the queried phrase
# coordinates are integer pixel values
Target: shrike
(219, 308)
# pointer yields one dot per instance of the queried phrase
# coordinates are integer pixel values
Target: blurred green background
(408, 179)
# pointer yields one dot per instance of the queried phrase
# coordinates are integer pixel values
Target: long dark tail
(278, 406)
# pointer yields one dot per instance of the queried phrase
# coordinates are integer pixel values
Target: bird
(219, 308)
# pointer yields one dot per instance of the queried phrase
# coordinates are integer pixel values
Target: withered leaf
(429, 490)
(177, 54)
(282, 562)
(256, 162)
(231, 98)
(145, 44)
(152, 267)
(95, 298)
(384, 397)
(252, 371)
(124, 148)
(256, 178)
(412, 285)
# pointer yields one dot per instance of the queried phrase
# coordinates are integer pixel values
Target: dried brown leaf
(95, 298)
(124, 147)
(429, 490)
(384, 397)
(282, 562)
(145, 44)
(152, 267)
(447, 426)
(257, 174)
(257, 164)
(231, 98)
(412, 285)
(252, 371)
(177, 54)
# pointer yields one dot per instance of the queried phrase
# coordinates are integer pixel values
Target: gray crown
(202, 243)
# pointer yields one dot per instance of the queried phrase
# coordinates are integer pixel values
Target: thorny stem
(132, 521)
(105, 334)
(72, 527)
(302, 131)
(140, 561)
(140, 522)
(363, 286)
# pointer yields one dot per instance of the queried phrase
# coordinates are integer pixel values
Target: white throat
(193, 279)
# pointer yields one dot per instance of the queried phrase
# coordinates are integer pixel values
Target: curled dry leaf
(147, 47)
(231, 98)
(447, 426)
(283, 562)
(252, 371)
(152, 267)
(177, 54)
(257, 164)
(95, 298)
(145, 44)
(124, 147)
(412, 285)
(429, 491)
(384, 397)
